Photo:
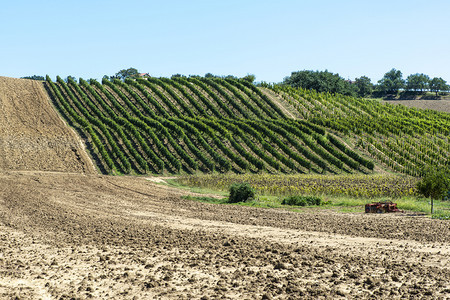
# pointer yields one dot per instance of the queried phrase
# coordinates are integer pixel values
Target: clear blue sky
(270, 39)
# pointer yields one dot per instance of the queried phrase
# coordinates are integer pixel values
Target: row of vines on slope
(402, 139)
(159, 125)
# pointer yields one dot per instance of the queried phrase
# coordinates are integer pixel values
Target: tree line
(390, 85)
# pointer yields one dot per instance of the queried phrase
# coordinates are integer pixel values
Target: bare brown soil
(80, 236)
(440, 105)
(32, 135)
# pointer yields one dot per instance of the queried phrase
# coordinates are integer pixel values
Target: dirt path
(285, 107)
(69, 235)
(32, 135)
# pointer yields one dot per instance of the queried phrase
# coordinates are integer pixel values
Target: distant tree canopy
(321, 81)
(250, 78)
(364, 86)
(392, 82)
(177, 76)
(417, 82)
(324, 81)
(70, 77)
(437, 84)
(34, 77)
(126, 73)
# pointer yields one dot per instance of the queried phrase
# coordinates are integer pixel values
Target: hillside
(32, 135)
(160, 125)
(197, 124)
(398, 138)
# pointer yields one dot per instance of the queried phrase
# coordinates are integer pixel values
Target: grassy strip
(206, 199)
(336, 202)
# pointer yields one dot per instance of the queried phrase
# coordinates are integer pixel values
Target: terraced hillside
(160, 125)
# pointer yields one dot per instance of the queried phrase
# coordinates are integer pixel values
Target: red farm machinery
(381, 207)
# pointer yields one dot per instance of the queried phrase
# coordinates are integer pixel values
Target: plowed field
(83, 236)
(32, 135)
(440, 105)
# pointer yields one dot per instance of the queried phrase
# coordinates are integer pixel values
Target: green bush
(241, 192)
(435, 183)
(302, 200)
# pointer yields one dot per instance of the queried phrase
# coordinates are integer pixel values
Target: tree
(130, 72)
(34, 77)
(177, 76)
(392, 82)
(435, 183)
(437, 84)
(417, 82)
(249, 77)
(70, 77)
(321, 81)
(364, 86)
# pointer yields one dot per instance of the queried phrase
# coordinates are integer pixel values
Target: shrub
(435, 183)
(241, 192)
(302, 200)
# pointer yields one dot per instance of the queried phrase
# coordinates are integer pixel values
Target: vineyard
(195, 124)
(398, 138)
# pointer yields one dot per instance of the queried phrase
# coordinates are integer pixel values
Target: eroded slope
(32, 135)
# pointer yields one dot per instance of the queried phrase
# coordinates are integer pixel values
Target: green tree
(127, 73)
(249, 77)
(392, 82)
(321, 81)
(364, 86)
(70, 77)
(34, 77)
(417, 82)
(435, 182)
(437, 84)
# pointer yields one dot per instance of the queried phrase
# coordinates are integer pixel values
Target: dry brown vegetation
(78, 235)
